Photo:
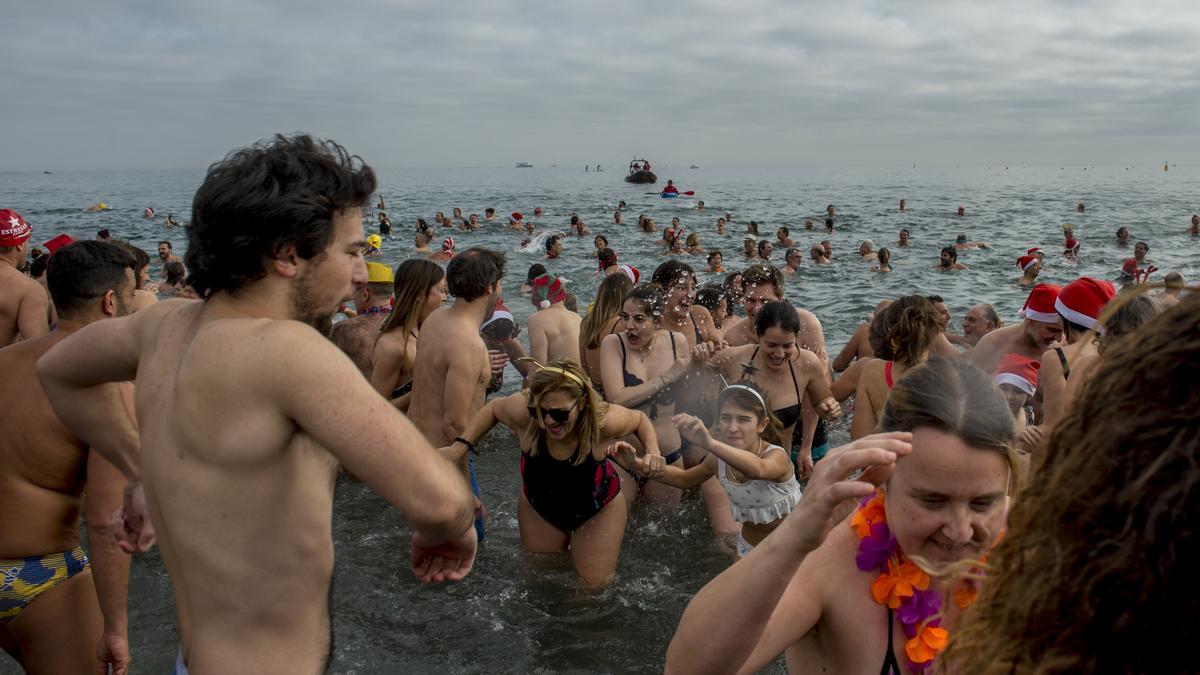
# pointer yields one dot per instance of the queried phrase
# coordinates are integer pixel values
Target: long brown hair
(414, 279)
(567, 375)
(609, 298)
(1097, 571)
(905, 330)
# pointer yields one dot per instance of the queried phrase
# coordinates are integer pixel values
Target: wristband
(469, 444)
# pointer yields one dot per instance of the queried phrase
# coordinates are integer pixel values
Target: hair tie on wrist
(469, 444)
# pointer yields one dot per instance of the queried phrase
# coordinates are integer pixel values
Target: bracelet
(469, 444)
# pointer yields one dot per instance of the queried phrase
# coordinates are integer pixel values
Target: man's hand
(498, 360)
(113, 651)
(447, 561)
(131, 522)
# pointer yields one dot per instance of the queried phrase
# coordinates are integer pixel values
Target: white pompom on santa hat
(631, 272)
(1082, 301)
(1019, 371)
(1039, 306)
(1026, 261)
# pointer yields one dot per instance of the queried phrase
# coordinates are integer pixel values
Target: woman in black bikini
(419, 288)
(639, 365)
(569, 488)
(783, 370)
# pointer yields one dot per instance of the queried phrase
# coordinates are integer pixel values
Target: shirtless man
(24, 307)
(792, 260)
(246, 410)
(1030, 267)
(356, 336)
(55, 625)
(783, 238)
(1039, 331)
(867, 250)
(453, 369)
(979, 321)
(553, 329)
(749, 251)
(1194, 227)
(904, 237)
(948, 260)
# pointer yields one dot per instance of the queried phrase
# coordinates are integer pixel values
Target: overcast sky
(150, 84)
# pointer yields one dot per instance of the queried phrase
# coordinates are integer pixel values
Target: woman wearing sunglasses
(569, 488)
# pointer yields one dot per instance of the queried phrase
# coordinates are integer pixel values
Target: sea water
(519, 613)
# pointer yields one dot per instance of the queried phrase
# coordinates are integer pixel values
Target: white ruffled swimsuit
(759, 501)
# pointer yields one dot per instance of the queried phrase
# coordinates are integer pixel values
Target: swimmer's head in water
(563, 403)
(600, 242)
(904, 236)
(948, 256)
(744, 416)
(947, 500)
(243, 223)
(793, 257)
(867, 246)
(715, 258)
(960, 239)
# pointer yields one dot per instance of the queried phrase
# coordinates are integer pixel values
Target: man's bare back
(554, 334)
(450, 377)
(1010, 339)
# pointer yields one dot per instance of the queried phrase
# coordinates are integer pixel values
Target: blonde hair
(566, 375)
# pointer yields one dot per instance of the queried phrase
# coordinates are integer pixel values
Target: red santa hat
(14, 231)
(1130, 266)
(547, 290)
(631, 272)
(499, 313)
(58, 242)
(1082, 301)
(516, 216)
(1039, 306)
(1019, 371)
(1026, 261)
(1034, 251)
(448, 244)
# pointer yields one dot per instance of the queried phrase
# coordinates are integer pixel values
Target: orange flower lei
(903, 586)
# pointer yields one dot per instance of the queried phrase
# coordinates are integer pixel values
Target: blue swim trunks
(480, 530)
(24, 579)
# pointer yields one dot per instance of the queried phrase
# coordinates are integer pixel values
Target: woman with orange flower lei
(856, 595)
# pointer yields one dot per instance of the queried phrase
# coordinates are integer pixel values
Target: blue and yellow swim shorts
(23, 579)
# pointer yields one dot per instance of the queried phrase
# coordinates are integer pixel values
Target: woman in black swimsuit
(419, 288)
(782, 369)
(639, 365)
(569, 488)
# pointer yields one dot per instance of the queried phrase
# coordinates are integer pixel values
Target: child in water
(746, 458)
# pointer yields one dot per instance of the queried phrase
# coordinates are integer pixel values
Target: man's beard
(303, 303)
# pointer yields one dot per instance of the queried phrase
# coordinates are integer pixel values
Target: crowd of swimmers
(1013, 498)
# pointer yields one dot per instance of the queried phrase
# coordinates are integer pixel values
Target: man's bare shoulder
(18, 283)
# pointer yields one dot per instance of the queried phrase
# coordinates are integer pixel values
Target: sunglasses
(560, 415)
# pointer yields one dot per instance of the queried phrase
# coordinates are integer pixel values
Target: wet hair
(652, 297)
(551, 241)
(263, 199)
(489, 211)
(752, 227)
(535, 270)
(784, 230)
(1173, 281)
(777, 314)
(1111, 505)
(591, 410)
(141, 260)
(1142, 243)
(734, 283)
(761, 275)
(413, 280)
(471, 273)
(574, 219)
(571, 303)
(991, 315)
(885, 255)
(609, 298)
(421, 224)
(904, 230)
(672, 272)
(166, 243)
(607, 257)
(952, 252)
(954, 396)
(80, 273)
(868, 243)
(935, 298)
(693, 239)
(791, 252)
(744, 400)
(175, 272)
(1122, 229)
(829, 223)
(905, 330)
(1129, 315)
(37, 266)
(713, 254)
(710, 298)
(763, 244)
(601, 238)
(104, 234)
(960, 239)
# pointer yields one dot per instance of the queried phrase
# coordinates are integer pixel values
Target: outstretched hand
(131, 521)
(445, 561)
(875, 456)
(692, 429)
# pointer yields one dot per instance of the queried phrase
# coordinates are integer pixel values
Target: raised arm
(771, 466)
(728, 626)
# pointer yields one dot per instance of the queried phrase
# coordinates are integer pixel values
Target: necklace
(902, 585)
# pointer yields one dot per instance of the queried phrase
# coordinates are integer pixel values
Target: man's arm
(320, 389)
(79, 376)
(462, 388)
(33, 313)
(110, 565)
